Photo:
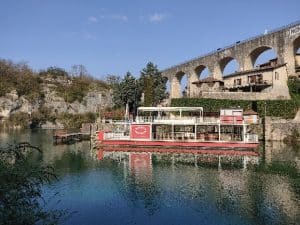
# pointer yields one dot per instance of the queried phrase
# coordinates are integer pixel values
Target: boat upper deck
(186, 116)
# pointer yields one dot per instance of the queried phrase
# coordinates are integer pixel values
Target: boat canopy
(170, 109)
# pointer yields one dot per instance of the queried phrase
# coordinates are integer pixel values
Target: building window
(237, 82)
(255, 79)
(276, 76)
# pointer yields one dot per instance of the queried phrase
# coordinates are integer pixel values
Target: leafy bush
(42, 116)
(20, 188)
(20, 119)
(19, 77)
(75, 120)
(78, 87)
(54, 72)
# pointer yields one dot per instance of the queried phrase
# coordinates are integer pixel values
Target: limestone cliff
(93, 100)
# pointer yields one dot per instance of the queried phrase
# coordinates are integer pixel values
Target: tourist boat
(181, 127)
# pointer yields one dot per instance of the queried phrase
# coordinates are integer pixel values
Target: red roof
(249, 112)
(207, 80)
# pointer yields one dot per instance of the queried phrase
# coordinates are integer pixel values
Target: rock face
(94, 100)
(12, 103)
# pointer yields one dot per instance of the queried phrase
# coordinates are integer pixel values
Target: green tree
(127, 91)
(21, 183)
(19, 77)
(113, 81)
(153, 84)
(54, 72)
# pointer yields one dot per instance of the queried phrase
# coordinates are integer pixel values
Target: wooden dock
(63, 137)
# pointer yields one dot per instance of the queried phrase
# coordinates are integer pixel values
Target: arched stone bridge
(285, 41)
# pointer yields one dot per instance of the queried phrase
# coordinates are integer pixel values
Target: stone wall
(277, 129)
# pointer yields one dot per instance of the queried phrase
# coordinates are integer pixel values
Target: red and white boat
(183, 128)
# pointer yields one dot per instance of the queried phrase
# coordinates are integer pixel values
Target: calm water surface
(124, 188)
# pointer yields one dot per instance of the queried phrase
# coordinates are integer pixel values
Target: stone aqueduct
(285, 41)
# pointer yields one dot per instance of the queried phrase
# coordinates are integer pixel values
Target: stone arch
(257, 52)
(228, 65)
(168, 87)
(296, 51)
(179, 85)
(202, 71)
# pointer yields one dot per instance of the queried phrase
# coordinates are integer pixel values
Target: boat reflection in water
(140, 159)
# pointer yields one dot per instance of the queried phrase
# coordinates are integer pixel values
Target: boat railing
(251, 138)
(210, 120)
(173, 136)
(153, 119)
(115, 136)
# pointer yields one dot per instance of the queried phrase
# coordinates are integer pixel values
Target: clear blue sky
(116, 36)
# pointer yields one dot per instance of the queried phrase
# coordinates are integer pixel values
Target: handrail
(236, 43)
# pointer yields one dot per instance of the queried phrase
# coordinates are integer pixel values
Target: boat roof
(169, 109)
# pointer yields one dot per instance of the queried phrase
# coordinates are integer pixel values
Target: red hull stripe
(180, 144)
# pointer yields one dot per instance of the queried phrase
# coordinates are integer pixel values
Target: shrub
(20, 119)
(75, 120)
(21, 184)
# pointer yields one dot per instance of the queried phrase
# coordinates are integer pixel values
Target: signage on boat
(140, 131)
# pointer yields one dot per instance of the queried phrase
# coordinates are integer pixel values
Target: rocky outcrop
(297, 117)
(93, 101)
(12, 103)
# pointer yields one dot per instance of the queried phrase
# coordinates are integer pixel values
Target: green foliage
(20, 119)
(19, 77)
(293, 139)
(276, 108)
(41, 116)
(153, 85)
(54, 72)
(127, 91)
(210, 105)
(75, 120)
(77, 88)
(113, 81)
(20, 188)
(294, 86)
